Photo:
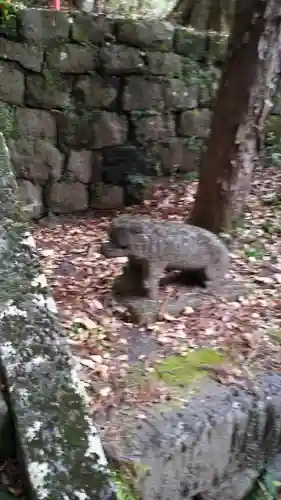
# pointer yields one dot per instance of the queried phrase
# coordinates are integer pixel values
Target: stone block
(118, 59)
(96, 91)
(153, 127)
(30, 196)
(175, 156)
(96, 167)
(67, 197)
(156, 35)
(195, 123)
(92, 130)
(42, 25)
(92, 28)
(47, 91)
(189, 42)
(206, 95)
(72, 58)
(35, 123)
(167, 64)
(122, 162)
(11, 84)
(79, 165)
(180, 95)
(140, 93)
(28, 56)
(217, 46)
(107, 197)
(36, 160)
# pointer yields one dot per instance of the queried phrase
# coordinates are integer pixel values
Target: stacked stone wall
(92, 107)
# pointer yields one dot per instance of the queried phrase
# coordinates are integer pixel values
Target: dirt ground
(106, 345)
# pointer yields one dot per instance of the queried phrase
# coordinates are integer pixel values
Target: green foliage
(151, 9)
(273, 149)
(7, 10)
(124, 490)
(275, 335)
(254, 253)
(7, 120)
(266, 488)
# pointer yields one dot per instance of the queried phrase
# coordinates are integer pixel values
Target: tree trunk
(242, 104)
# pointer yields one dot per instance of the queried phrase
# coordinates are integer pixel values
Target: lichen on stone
(62, 452)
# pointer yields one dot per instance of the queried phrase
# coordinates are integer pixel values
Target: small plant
(273, 149)
(254, 253)
(6, 10)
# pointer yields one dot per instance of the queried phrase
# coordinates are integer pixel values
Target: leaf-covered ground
(110, 351)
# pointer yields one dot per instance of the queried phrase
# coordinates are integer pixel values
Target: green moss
(164, 47)
(8, 120)
(124, 490)
(52, 79)
(275, 335)
(273, 125)
(182, 370)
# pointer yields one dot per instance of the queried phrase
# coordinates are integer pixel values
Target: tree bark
(242, 105)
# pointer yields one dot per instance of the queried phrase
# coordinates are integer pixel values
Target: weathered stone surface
(11, 84)
(93, 130)
(175, 156)
(92, 28)
(118, 59)
(217, 46)
(96, 91)
(107, 197)
(59, 446)
(162, 246)
(41, 25)
(30, 197)
(121, 162)
(47, 91)
(72, 58)
(67, 197)
(190, 43)
(140, 93)
(29, 56)
(35, 123)
(153, 34)
(195, 123)
(154, 127)
(214, 446)
(96, 167)
(178, 95)
(36, 160)
(80, 165)
(167, 64)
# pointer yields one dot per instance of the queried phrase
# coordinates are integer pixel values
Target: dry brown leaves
(81, 281)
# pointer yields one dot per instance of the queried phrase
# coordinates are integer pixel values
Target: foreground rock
(214, 447)
(60, 448)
